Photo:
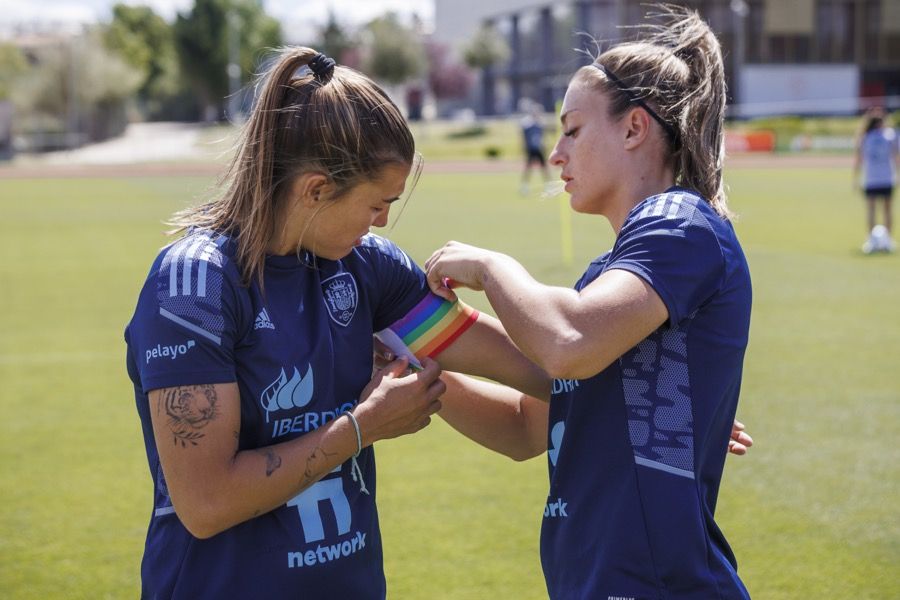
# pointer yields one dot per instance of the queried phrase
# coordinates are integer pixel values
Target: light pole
(739, 12)
(73, 125)
(234, 67)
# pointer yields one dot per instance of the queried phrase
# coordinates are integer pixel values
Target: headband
(321, 65)
(673, 135)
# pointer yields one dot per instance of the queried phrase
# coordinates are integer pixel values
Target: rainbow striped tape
(433, 324)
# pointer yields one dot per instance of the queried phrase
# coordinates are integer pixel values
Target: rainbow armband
(429, 328)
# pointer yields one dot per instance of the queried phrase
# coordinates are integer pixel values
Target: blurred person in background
(532, 126)
(877, 156)
(647, 351)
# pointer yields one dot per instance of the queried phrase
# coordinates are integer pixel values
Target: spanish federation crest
(341, 297)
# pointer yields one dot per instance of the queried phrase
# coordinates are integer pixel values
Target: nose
(557, 156)
(381, 218)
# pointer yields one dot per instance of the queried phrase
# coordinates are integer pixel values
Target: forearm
(573, 334)
(494, 416)
(485, 350)
(258, 481)
(526, 378)
(536, 316)
(214, 485)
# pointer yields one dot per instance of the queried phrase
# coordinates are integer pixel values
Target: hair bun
(321, 65)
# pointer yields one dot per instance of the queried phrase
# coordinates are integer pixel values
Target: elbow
(560, 357)
(523, 454)
(556, 357)
(200, 533)
(201, 519)
(573, 361)
(202, 530)
(575, 371)
(531, 445)
(198, 525)
(561, 368)
(568, 359)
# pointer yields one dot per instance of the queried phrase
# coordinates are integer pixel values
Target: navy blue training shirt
(636, 452)
(301, 355)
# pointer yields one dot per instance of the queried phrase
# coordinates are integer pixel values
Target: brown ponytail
(334, 121)
(677, 69)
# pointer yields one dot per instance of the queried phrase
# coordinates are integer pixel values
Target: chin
(585, 205)
(578, 204)
(332, 254)
(340, 255)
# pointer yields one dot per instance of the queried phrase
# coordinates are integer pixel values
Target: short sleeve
(426, 323)
(185, 326)
(399, 282)
(668, 241)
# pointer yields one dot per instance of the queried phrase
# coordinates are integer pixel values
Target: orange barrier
(749, 141)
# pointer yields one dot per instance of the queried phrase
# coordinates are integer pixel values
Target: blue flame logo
(285, 394)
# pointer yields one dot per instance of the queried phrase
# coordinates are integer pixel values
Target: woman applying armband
(647, 350)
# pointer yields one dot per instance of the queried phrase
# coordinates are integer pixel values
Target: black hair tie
(321, 65)
(633, 98)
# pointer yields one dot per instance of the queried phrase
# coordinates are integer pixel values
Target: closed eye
(570, 132)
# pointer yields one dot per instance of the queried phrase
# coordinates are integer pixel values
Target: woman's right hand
(398, 403)
(456, 264)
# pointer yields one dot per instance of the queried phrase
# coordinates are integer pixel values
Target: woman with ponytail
(250, 351)
(647, 350)
(877, 156)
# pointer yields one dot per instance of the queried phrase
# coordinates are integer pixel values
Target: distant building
(782, 56)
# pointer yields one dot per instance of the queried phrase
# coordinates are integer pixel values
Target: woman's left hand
(740, 441)
(455, 265)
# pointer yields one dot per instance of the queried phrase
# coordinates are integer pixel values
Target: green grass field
(812, 512)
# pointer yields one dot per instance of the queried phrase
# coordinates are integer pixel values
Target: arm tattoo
(316, 462)
(189, 409)
(273, 461)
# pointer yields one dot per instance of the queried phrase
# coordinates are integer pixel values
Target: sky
(299, 19)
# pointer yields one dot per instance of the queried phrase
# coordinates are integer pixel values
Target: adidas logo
(263, 321)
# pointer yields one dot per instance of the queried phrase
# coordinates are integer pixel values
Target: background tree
(12, 66)
(486, 48)
(395, 51)
(80, 87)
(336, 41)
(447, 79)
(147, 43)
(202, 40)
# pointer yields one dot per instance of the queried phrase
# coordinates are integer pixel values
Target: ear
(637, 127)
(311, 188)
